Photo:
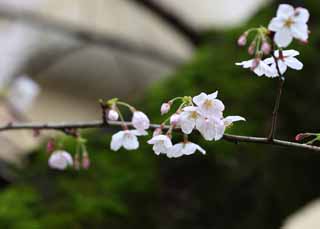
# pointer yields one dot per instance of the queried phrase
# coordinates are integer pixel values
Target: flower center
(208, 104)
(288, 23)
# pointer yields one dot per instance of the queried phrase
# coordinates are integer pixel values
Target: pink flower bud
(302, 136)
(174, 119)
(242, 41)
(50, 145)
(85, 160)
(140, 120)
(60, 160)
(165, 108)
(252, 49)
(266, 48)
(113, 115)
(157, 132)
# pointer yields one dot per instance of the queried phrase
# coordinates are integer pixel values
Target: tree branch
(86, 35)
(171, 19)
(100, 124)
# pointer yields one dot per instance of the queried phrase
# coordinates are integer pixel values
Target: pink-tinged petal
(199, 99)
(116, 141)
(60, 160)
(187, 125)
(285, 10)
(213, 95)
(300, 31)
(283, 37)
(276, 24)
(130, 141)
(140, 120)
(219, 131)
(294, 63)
(218, 105)
(207, 129)
(302, 15)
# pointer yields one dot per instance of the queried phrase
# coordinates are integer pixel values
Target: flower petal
(300, 31)
(231, 119)
(283, 37)
(276, 24)
(116, 141)
(285, 10)
(302, 15)
(189, 148)
(199, 99)
(130, 141)
(294, 63)
(213, 95)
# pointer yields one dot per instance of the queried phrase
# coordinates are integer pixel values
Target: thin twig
(100, 124)
(86, 35)
(278, 100)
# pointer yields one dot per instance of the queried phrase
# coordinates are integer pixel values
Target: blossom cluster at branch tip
(289, 23)
(205, 114)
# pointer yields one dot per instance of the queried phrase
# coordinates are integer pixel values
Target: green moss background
(239, 186)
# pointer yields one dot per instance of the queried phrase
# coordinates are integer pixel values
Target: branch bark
(87, 36)
(98, 124)
(171, 19)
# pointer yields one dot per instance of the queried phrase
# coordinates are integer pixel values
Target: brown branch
(100, 124)
(278, 100)
(86, 35)
(171, 19)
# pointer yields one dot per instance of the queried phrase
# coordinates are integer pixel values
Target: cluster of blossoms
(60, 159)
(289, 23)
(203, 113)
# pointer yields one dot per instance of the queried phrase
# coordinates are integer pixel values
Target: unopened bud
(113, 115)
(165, 108)
(252, 48)
(242, 40)
(301, 136)
(174, 119)
(266, 48)
(85, 160)
(50, 145)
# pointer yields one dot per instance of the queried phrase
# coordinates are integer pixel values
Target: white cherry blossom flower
(60, 160)
(260, 68)
(209, 105)
(113, 115)
(126, 139)
(188, 118)
(287, 59)
(182, 148)
(288, 24)
(211, 128)
(140, 121)
(22, 93)
(161, 144)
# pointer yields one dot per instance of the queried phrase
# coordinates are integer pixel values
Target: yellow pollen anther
(288, 23)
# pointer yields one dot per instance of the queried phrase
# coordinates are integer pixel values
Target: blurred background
(146, 52)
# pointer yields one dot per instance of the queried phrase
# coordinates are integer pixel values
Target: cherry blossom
(22, 93)
(209, 105)
(211, 128)
(182, 148)
(140, 121)
(161, 144)
(175, 119)
(188, 118)
(288, 24)
(113, 115)
(126, 139)
(231, 119)
(285, 60)
(60, 160)
(259, 67)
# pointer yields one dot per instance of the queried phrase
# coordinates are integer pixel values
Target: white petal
(116, 141)
(269, 60)
(276, 24)
(189, 148)
(199, 99)
(130, 141)
(230, 119)
(283, 37)
(200, 149)
(302, 15)
(176, 151)
(187, 125)
(294, 63)
(245, 64)
(219, 132)
(139, 132)
(282, 66)
(207, 129)
(300, 31)
(190, 108)
(213, 95)
(288, 53)
(140, 120)
(285, 10)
